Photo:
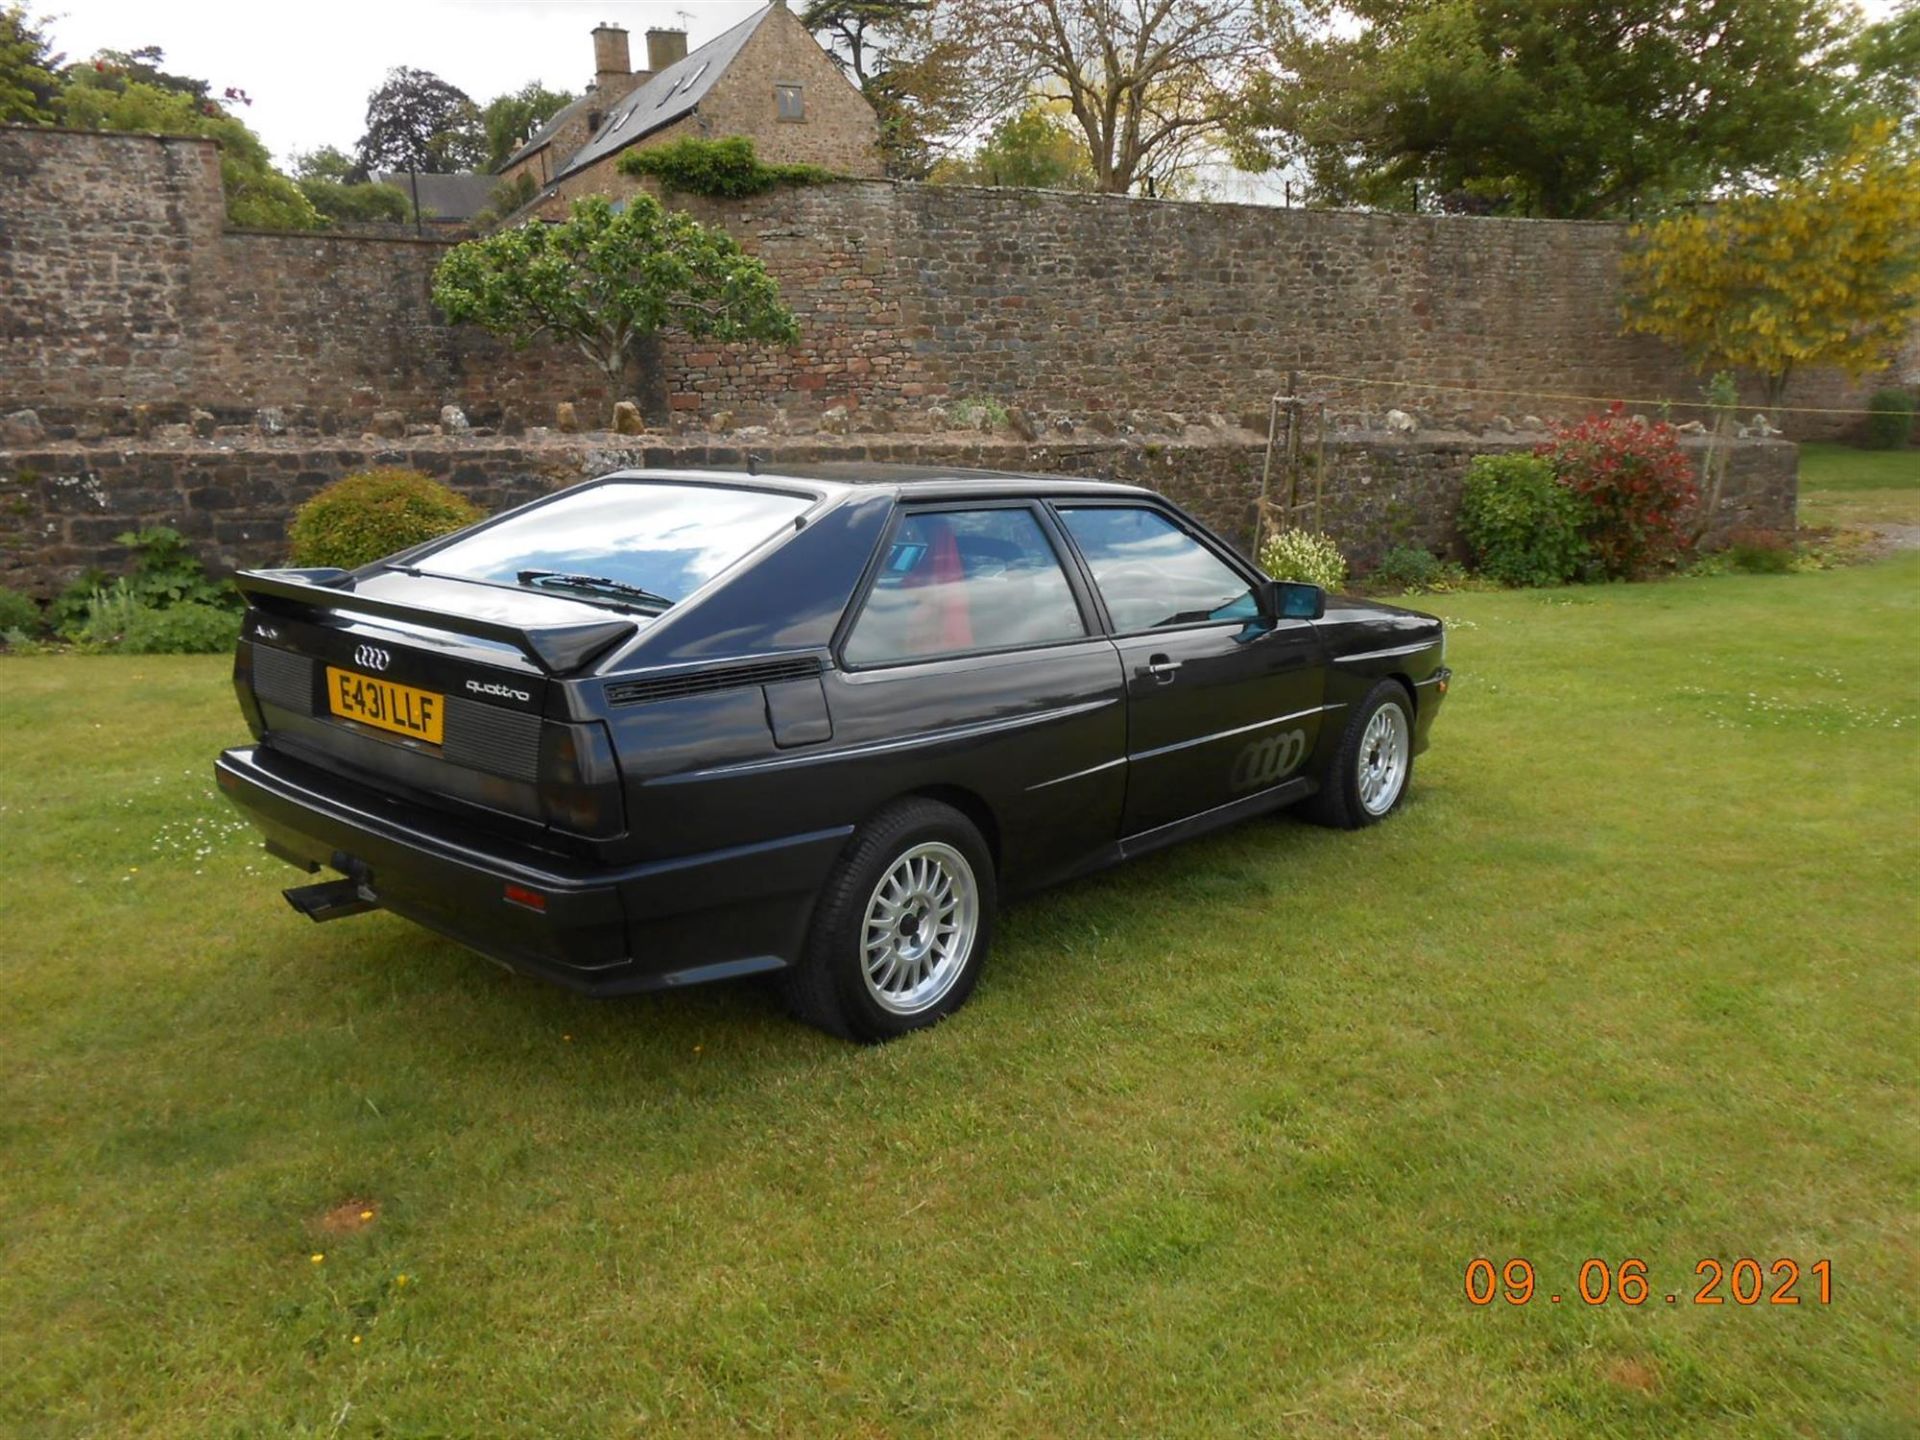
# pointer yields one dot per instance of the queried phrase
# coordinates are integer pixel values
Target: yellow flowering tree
(1825, 270)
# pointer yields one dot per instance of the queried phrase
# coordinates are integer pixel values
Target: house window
(790, 101)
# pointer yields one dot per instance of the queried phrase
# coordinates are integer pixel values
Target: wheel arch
(969, 803)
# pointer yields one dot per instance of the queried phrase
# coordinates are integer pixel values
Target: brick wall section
(1082, 304)
(62, 506)
(121, 287)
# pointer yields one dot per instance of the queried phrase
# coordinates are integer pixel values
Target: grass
(1848, 488)
(1633, 975)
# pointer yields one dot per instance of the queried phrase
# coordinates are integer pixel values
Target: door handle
(1160, 668)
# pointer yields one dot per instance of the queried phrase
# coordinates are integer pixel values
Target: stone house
(766, 78)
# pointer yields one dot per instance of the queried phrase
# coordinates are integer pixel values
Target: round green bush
(368, 516)
(1407, 567)
(1520, 522)
(1889, 420)
(18, 614)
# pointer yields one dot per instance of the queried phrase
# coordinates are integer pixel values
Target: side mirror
(1293, 600)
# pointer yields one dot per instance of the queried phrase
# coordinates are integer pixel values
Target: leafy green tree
(508, 121)
(914, 63)
(29, 83)
(258, 196)
(329, 162)
(1036, 148)
(1887, 59)
(335, 186)
(418, 123)
(143, 67)
(1568, 108)
(604, 279)
(1825, 270)
(343, 202)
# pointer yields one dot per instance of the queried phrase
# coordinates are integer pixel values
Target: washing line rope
(1420, 385)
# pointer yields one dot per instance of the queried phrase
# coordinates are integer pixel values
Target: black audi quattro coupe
(673, 726)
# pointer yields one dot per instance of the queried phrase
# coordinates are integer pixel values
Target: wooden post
(1293, 449)
(1266, 479)
(1320, 467)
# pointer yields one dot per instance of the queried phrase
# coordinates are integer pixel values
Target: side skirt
(1285, 793)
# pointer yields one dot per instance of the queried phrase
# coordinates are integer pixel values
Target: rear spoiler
(556, 649)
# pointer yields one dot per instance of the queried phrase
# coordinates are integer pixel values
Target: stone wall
(122, 286)
(61, 505)
(1084, 312)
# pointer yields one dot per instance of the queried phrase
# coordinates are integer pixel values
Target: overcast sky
(309, 68)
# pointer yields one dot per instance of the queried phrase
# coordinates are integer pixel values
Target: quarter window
(1152, 573)
(790, 102)
(959, 580)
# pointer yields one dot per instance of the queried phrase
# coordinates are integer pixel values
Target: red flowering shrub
(1638, 485)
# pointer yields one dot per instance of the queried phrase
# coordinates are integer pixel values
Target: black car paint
(686, 793)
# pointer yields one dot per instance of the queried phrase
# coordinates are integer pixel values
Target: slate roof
(544, 135)
(444, 197)
(669, 95)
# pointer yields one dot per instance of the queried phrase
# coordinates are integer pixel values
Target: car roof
(909, 482)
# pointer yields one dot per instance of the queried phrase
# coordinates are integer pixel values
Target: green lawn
(1633, 976)
(1843, 487)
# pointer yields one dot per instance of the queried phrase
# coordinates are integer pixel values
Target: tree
(336, 187)
(258, 196)
(143, 67)
(329, 162)
(28, 82)
(604, 279)
(1036, 148)
(1823, 271)
(1565, 108)
(418, 122)
(916, 67)
(1887, 59)
(508, 121)
(1142, 79)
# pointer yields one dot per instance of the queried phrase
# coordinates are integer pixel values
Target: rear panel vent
(718, 677)
(283, 679)
(487, 737)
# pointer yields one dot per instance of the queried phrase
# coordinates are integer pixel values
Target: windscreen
(664, 539)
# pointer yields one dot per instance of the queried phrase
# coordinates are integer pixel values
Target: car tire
(901, 927)
(1366, 778)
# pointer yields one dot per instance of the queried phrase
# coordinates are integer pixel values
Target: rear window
(667, 539)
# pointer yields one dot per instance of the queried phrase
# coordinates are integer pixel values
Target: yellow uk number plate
(419, 714)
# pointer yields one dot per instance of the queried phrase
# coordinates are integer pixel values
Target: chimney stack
(612, 64)
(664, 47)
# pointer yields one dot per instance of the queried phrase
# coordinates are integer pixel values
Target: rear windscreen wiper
(592, 585)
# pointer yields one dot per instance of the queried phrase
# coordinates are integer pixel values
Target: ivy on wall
(720, 169)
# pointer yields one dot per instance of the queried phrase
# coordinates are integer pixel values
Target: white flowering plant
(1308, 555)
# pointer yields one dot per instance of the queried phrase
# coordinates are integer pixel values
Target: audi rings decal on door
(1269, 760)
(371, 657)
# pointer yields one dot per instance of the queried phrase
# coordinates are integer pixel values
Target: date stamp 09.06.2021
(1745, 1281)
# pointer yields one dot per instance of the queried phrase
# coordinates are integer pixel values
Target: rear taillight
(580, 781)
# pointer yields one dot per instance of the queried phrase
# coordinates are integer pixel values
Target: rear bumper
(603, 931)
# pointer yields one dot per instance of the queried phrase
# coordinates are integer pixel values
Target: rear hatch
(441, 692)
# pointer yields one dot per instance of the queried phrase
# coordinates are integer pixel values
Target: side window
(960, 580)
(790, 102)
(1152, 573)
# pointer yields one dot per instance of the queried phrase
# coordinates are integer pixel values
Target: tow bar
(336, 899)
